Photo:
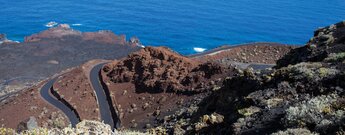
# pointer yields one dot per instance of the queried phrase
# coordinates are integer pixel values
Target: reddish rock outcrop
(104, 37)
(154, 82)
(64, 30)
(55, 32)
(159, 69)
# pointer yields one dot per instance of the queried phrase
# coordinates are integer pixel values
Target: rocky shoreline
(4, 40)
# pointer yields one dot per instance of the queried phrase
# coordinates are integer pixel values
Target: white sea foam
(9, 41)
(140, 45)
(77, 24)
(51, 24)
(198, 49)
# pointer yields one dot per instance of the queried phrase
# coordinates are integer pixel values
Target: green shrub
(85, 127)
(307, 71)
(6, 131)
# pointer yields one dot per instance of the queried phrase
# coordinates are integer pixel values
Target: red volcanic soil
(72, 85)
(27, 103)
(155, 82)
(141, 110)
(265, 53)
(75, 88)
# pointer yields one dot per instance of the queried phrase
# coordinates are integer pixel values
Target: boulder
(28, 124)
(3, 37)
(93, 127)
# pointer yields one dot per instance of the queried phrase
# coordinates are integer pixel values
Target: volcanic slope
(304, 94)
(155, 81)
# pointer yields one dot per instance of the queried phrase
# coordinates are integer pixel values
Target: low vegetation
(85, 127)
(336, 57)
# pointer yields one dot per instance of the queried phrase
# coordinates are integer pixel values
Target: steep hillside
(303, 95)
(326, 41)
(155, 81)
(158, 91)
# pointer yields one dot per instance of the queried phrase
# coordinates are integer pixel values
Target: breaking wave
(197, 49)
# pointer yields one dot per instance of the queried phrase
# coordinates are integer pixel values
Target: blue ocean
(182, 25)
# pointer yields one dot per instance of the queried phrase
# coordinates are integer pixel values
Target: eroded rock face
(161, 70)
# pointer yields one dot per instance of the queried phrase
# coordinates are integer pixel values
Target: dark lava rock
(2, 37)
(4, 40)
(304, 94)
(326, 40)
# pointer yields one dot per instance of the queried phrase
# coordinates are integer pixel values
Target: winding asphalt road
(46, 94)
(108, 114)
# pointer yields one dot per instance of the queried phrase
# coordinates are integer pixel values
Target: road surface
(107, 111)
(47, 95)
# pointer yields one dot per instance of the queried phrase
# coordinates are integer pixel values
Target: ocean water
(187, 26)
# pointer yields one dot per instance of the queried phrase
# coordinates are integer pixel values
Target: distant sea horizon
(186, 26)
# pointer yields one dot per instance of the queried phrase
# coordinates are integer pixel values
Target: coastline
(63, 35)
(172, 68)
(56, 38)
